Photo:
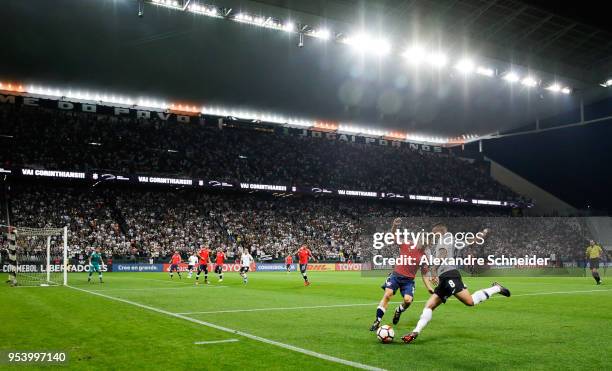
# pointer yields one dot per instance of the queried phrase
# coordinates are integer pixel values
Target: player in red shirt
(175, 260)
(204, 256)
(304, 254)
(402, 278)
(288, 262)
(219, 260)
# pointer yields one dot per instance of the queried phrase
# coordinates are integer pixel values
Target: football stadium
(305, 184)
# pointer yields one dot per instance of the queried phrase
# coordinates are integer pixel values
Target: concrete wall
(545, 203)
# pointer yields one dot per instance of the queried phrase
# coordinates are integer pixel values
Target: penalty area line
(236, 332)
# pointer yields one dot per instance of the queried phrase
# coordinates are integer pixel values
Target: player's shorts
(594, 263)
(203, 267)
(449, 285)
(244, 269)
(219, 269)
(174, 267)
(395, 282)
(303, 267)
(190, 267)
(94, 267)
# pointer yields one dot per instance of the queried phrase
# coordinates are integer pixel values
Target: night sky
(575, 164)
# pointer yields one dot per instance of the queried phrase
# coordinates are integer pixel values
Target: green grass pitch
(548, 323)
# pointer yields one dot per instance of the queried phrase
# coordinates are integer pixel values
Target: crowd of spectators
(146, 224)
(149, 224)
(67, 140)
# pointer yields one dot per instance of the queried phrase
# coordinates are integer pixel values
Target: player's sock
(596, 277)
(380, 312)
(398, 312)
(100, 277)
(402, 307)
(423, 320)
(89, 276)
(484, 294)
(171, 275)
(206, 278)
(305, 277)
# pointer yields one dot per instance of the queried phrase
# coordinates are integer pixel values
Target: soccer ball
(385, 334)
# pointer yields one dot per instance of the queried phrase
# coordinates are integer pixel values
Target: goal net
(37, 256)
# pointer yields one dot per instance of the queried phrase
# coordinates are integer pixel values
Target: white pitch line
(286, 308)
(216, 341)
(368, 304)
(559, 292)
(162, 288)
(178, 281)
(236, 332)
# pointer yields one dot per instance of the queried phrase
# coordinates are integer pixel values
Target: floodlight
(607, 83)
(414, 55)
(485, 71)
(323, 34)
(437, 59)
(554, 87)
(529, 81)
(288, 27)
(363, 42)
(511, 77)
(465, 66)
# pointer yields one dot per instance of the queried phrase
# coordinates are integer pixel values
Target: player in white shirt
(450, 283)
(192, 262)
(245, 263)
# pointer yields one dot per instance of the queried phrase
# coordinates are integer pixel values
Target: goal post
(37, 256)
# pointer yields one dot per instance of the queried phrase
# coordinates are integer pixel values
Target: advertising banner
(182, 267)
(321, 267)
(41, 268)
(273, 267)
(114, 177)
(348, 267)
(138, 268)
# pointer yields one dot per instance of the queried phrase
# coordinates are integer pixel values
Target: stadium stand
(46, 138)
(144, 224)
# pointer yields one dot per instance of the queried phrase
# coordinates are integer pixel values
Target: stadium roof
(173, 55)
(511, 30)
